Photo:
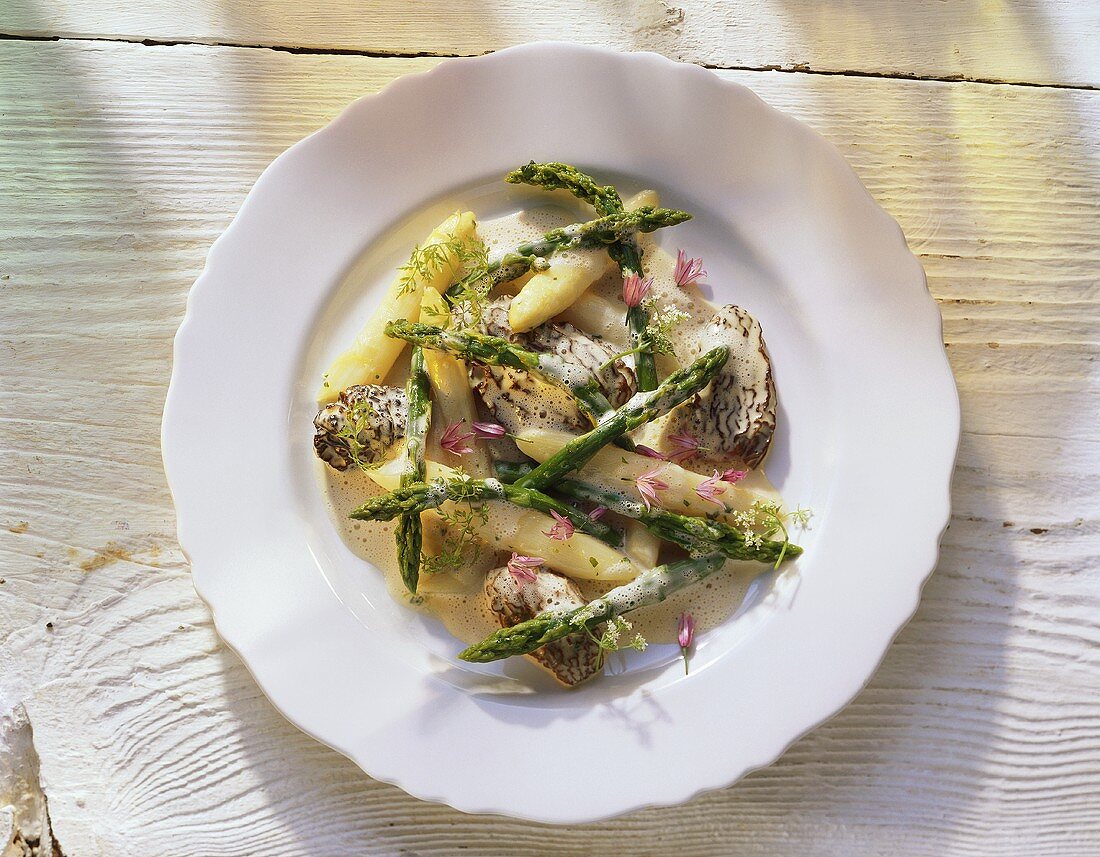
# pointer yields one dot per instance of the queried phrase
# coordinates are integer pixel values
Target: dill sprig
(468, 298)
(467, 262)
(458, 255)
(460, 544)
(357, 419)
(460, 525)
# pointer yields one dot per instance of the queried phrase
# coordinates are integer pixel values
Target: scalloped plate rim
(251, 658)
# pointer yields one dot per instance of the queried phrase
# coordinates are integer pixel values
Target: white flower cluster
(764, 519)
(761, 514)
(661, 324)
(612, 636)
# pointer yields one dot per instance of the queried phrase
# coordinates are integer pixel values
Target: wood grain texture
(1037, 41)
(979, 734)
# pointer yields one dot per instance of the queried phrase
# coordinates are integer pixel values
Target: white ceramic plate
(869, 424)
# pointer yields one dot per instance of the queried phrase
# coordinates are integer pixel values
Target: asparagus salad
(550, 440)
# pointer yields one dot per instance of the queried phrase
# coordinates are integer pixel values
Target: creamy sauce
(711, 602)
(458, 599)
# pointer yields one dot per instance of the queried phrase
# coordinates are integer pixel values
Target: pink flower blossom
(562, 529)
(649, 452)
(597, 513)
(687, 270)
(454, 439)
(685, 636)
(523, 568)
(488, 431)
(710, 488)
(648, 486)
(686, 447)
(685, 630)
(635, 289)
(734, 476)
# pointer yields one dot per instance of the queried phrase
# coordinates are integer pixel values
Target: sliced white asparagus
(640, 544)
(508, 527)
(373, 354)
(597, 316)
(452, 397)
(553, 291)
(550, 292)
(614, 469)
(581, 556)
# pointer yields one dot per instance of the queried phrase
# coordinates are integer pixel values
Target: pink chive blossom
(685, 630)
(650, 452)
(686, 447)
(523, 568)
(597, 513)
(635, 289)
(685, 636)
(488, 431)
(648, 486)
(687, 270)
(454, 439)
(734, 476)
(562, 529)
(710, 488)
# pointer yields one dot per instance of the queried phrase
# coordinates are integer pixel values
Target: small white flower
(802, 516)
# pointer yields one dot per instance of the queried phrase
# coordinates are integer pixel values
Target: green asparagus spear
(602, 231)
(649, 587)
(494, 350)
(509, 472)
(694, 534)
(637, 321)
(642, 408)
(476, 285)
(409, 532)
(614, 228)
(625, 253)
(556, 176)
(410, 500)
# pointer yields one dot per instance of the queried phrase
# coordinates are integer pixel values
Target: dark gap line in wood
(796, 68)
(289, 49)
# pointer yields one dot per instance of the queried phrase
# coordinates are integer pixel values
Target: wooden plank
(1040, 41)
(980, 733)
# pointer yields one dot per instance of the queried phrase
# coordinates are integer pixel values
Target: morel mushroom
(733, 418)
(517, 401)
(378, 412)
(571, 659)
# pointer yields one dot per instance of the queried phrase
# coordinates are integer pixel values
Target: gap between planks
(796, 68)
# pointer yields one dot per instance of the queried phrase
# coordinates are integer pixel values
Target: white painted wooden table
(129, 134)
